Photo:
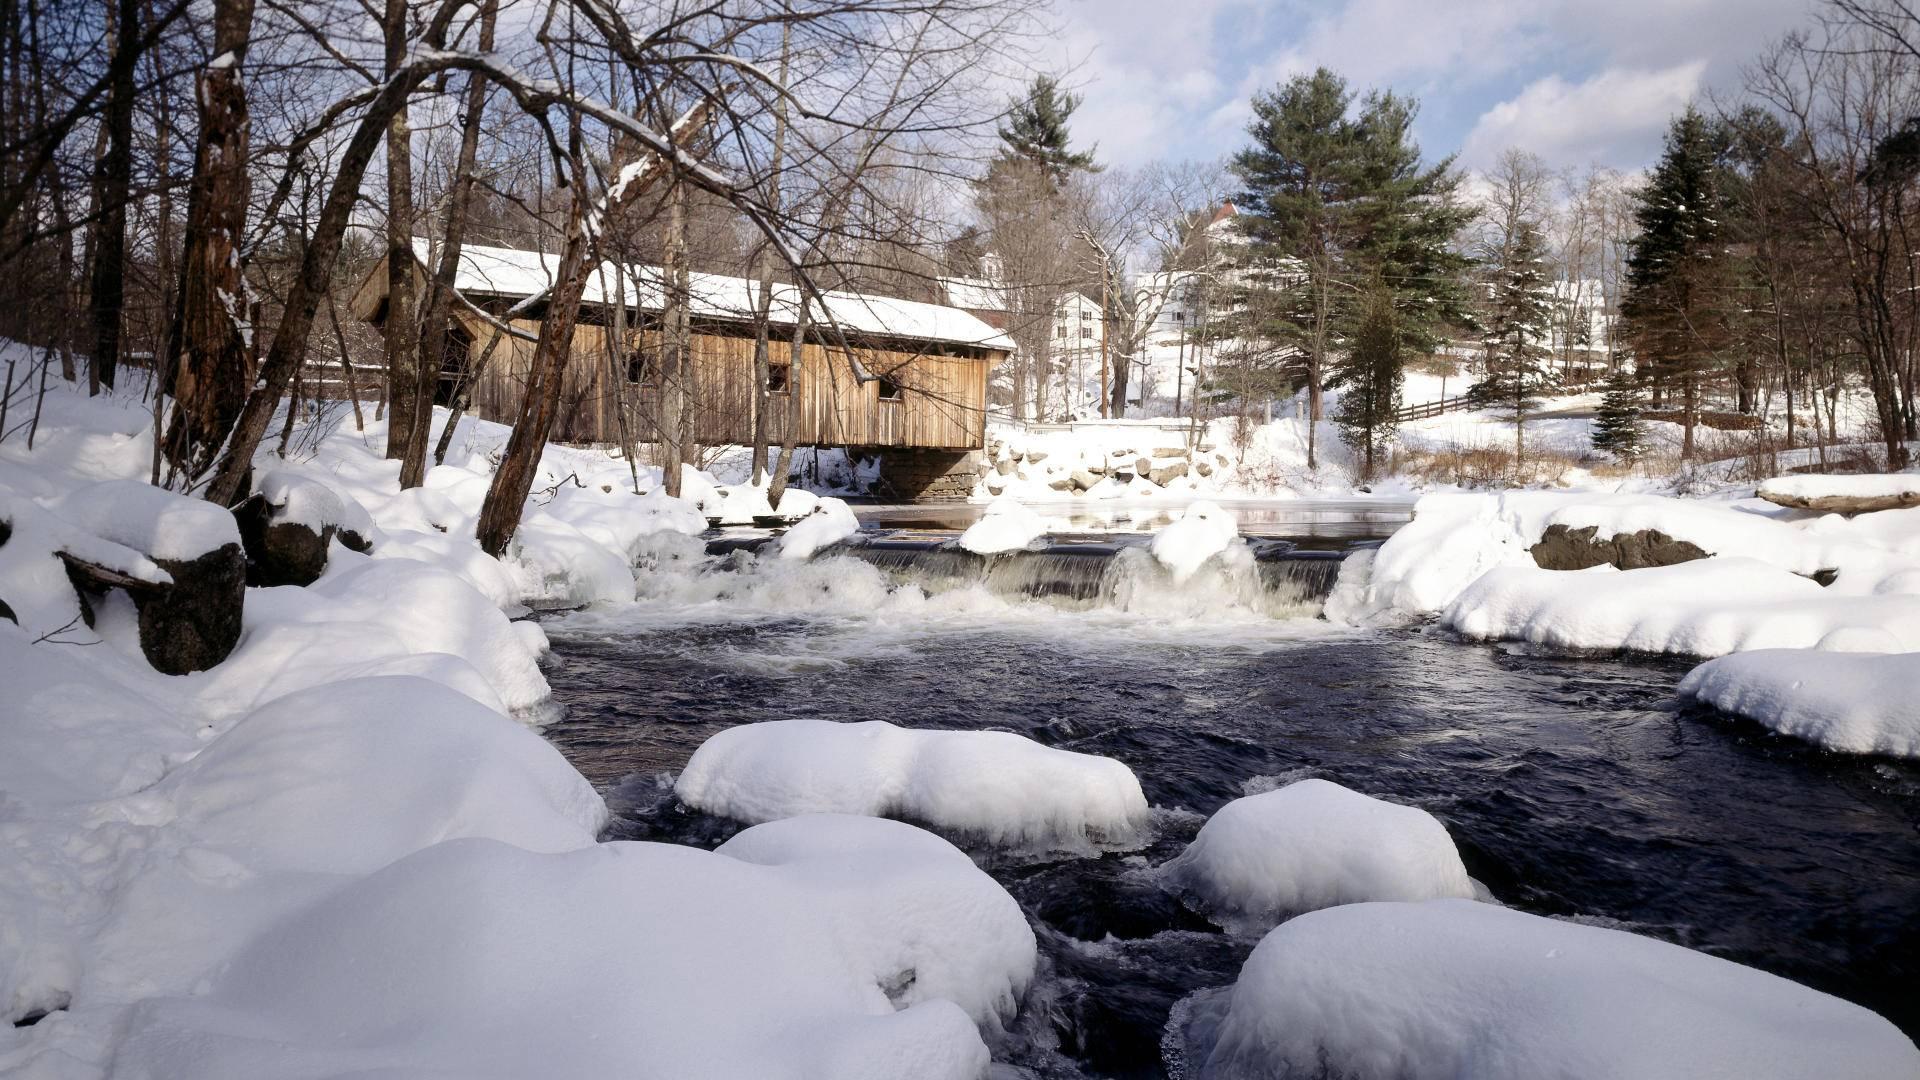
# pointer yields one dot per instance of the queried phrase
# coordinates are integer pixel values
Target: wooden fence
(1428, 409)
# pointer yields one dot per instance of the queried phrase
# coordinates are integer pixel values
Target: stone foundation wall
(928, 475)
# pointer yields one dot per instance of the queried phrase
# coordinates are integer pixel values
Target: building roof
(513, 274)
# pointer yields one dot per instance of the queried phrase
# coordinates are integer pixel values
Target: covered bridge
(924, 415)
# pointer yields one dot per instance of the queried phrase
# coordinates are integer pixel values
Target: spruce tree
(1616, 428)
(1036, 132)
(1518, 325)
(1370, 375)
(1674, 263)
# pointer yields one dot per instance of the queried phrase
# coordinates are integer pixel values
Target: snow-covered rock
(1451, 988)
(1315, 844)
(1857, 703)
(1005, 525)
(830, 522)
(993, 786)
(1201, 532)
(802, 954)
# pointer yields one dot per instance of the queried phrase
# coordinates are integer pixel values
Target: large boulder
(1562, 548)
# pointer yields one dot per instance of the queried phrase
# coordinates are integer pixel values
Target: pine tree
(1673, 264)
(1370, 374)
(1036, 131)
(1333, 197)
(1616, 428)
(1519, 321)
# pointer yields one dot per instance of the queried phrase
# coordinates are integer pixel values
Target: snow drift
(1856, 703)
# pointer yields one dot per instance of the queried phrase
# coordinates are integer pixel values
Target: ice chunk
(1859, 703)
(1202, 532)
(1314, 844)
(990, 785)
(1451, 988)
(830, 522)
(1006, 524)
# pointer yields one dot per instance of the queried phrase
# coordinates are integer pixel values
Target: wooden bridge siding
(943, 404)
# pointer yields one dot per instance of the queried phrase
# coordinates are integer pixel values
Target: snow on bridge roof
(511, 273)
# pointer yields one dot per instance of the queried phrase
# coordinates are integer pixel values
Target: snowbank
(1451, 988)
(1005, 525)
(1857, 703)
(830, 522)
(1315, 844)
(1705, 608)
(803, 958)
(1202, 532)
(316, 505)
(994, 786)
(1467, 558)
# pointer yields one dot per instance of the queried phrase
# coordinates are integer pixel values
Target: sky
(1576, 83)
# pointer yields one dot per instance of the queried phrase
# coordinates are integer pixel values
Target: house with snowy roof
(931, 360)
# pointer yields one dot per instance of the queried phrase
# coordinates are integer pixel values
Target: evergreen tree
(1616, 429)
(1674, 264)
(1334, 197)
(1519, 322)
(1036, 132)
(1370, 373)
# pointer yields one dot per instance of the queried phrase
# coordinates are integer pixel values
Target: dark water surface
(1573, 786)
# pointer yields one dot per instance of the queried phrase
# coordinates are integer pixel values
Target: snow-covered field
(345, 850)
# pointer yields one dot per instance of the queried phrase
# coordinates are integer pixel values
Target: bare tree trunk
(675, 393)
(783, 467)
(346, 363)
(433, 322)
(402, 325)
(303, 297)
(208, 359)
(507, 495)
(115, 178)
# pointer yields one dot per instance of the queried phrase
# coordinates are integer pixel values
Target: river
(1573, 786)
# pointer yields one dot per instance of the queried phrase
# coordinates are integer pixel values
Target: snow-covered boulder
(1857, 703)
(801, 958)
(1315, 844)
(1005, 525)
(885, 883)
(1450, 988)
(830, 522)
(1202, 531)
(992, 786)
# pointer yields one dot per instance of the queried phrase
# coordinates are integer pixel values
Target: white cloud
(1618, 114)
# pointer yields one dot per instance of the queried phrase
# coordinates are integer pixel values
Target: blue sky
(1579, 84)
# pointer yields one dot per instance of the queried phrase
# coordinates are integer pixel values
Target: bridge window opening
(779, 378)
(639, 367)
(889, 390)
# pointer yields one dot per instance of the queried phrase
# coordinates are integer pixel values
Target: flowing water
(1573, 785)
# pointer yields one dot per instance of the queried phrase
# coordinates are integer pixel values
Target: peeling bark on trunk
(208, 367)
